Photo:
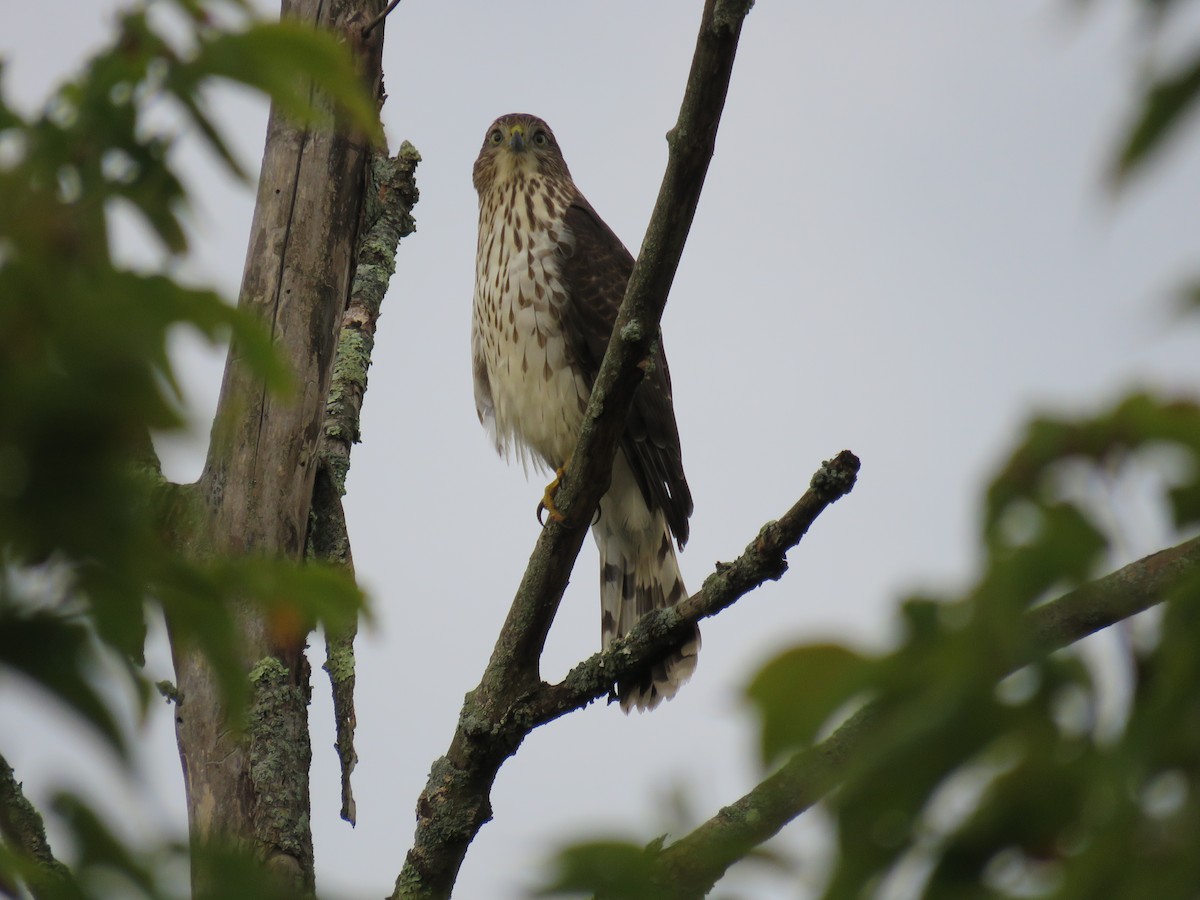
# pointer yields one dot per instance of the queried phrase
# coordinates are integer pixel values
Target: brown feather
(550, 268)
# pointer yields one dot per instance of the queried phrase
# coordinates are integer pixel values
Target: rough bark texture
(24, 832)
(391, 196)
(456, 801)
(248, 790)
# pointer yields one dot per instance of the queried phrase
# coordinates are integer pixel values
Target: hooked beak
(516, 140)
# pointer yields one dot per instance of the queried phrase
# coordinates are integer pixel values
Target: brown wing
(596, 275)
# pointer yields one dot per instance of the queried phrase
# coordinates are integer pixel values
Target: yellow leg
(547, 502)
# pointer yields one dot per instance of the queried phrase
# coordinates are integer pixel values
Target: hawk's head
(518, 144)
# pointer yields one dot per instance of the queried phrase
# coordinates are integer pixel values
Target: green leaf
(281, 58)
(1188, 298)
(193, 104)
(1137, 421)
(201, 603)
(605, 869)
(200, 610)
(800, 689)
(1064, 551)
(230, 873)
(1163, 109)
(99, 849)
(1185, 504)
(296, 597)
(59, 655)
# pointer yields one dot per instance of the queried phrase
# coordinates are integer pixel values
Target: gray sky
(905, 246)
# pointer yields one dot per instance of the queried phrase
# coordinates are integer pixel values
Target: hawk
(549, 279)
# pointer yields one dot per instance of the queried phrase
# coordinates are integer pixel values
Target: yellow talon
(547, 502)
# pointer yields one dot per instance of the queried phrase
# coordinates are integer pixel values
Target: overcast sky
(904, 248)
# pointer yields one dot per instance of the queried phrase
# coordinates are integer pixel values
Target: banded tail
(639, 572)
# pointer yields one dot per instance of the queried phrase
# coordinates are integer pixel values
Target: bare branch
(656, 633)
(693, 864)
(390, 197)
(455, 803)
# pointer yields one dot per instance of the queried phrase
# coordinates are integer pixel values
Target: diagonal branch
(659, 631)
(694, 863)
(691, 143)
(455, 803)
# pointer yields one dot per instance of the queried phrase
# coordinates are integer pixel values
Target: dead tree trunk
(249, 788)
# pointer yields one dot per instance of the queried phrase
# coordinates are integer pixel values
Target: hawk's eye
(540, 139)
(496, 136)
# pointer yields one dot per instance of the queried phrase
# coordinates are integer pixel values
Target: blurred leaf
(201, 611)
(201, 602)
(1063, 551)
(1189, 297)
(605, 869)
(43, 883)
(59, 655)
(85, 374)
(194, 106)
(98, 848)
(280, 59)
(1185, 504)
(1138, 420)
(228, 873)
(296, 597)
(1163, 110)
(1034, 806)
(799, 690)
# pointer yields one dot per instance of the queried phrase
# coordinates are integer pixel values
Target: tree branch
(390, 197)
(455, 803)
(22, 829)
(656, 633)
(693, 864)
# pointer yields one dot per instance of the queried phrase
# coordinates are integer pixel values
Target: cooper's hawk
(549, 279)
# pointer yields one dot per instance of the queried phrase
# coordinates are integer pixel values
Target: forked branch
(455, 803)
(657, 632)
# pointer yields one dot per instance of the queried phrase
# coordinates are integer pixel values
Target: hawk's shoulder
(595, 269)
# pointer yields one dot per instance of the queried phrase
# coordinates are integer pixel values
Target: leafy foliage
(606, 869)
(91, 536)
(986, 773)
(1169, 98)
(807, 685)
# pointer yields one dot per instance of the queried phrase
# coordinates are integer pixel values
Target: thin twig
(657, 632)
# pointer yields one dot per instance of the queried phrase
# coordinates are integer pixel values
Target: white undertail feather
(639, 572)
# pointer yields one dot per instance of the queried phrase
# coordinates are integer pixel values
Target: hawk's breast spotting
(535, 394)
(549, 279)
